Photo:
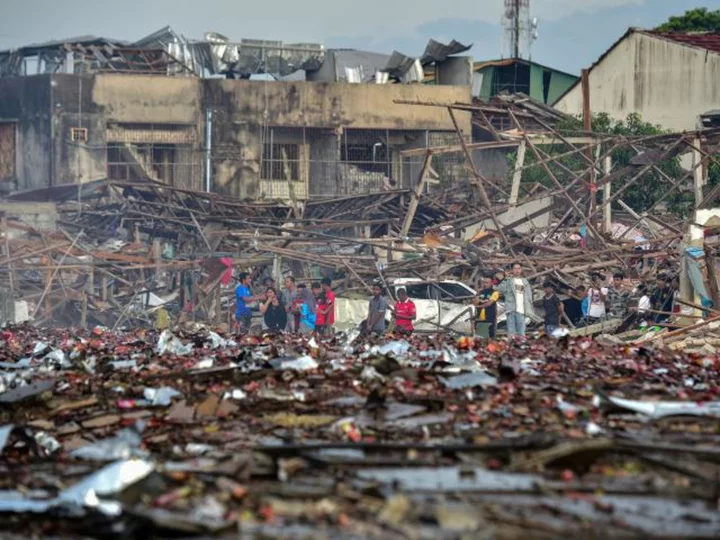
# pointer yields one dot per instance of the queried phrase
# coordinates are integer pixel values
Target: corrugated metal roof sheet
(59, 43)
(368, 62)
(703, 40)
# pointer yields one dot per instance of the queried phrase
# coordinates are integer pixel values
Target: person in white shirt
(644, 305)
(596, 294)
(518, 301)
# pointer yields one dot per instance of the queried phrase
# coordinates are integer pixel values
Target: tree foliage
(693, 20)
(642, 194)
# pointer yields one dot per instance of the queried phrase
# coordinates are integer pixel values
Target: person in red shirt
(404, 312)
(326, 309)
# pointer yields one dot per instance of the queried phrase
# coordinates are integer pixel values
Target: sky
(572, 33)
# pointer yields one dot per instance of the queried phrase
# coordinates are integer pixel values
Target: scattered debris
(254, 444)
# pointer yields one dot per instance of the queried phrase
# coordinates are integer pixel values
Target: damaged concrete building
(192, 115)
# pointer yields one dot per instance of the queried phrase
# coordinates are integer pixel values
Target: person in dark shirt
(572, 306)
(273, 311)
(662, 299)
(553, 308)
(486, 304)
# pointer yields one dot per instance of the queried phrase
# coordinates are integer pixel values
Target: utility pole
(516, 29)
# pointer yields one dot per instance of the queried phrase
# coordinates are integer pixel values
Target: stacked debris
(195, 432)
(144, 253)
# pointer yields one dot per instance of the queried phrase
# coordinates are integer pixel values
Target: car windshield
(451, 291)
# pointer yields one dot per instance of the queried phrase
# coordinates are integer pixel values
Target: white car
(440, 306)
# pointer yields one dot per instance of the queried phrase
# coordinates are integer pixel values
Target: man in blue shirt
(243, 296)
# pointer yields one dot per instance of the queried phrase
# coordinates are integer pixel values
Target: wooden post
(587, 126)
(607, 193)
(6, 232)
(415, 200)
(83, 314)
(157, 257)
(277, 270)
(517, 176)
(698, 172)
(218, 306)
(104, 288)
(711, 275)
(91, 280)
(47, 261)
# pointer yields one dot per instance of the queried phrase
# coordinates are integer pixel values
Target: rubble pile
(144, 254)
(193, 432)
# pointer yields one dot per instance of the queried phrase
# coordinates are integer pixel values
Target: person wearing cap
(404, 312)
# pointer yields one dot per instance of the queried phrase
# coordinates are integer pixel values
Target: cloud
(288, 20)
(561, 9)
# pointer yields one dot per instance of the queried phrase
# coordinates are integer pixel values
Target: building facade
(669, 78)
(244, 138)
(518, 76)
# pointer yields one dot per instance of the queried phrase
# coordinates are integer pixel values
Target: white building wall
(667, 83)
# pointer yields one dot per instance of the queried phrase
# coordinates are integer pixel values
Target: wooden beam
(607, 193)
(698, 173)
(415, 200)
(6, 232)
(557, 183)
(51, 276)
(517, 175)
(478, 179)
(456, 148)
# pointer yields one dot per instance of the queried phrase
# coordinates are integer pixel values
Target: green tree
(642, 194)
(693, 20)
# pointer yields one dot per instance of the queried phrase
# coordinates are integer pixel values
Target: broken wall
(26, 102)
(70, 124)
(251, 108)
(164, 115)
(39, 215)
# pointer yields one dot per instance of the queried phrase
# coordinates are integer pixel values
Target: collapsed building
(191, 115)
(140, 174)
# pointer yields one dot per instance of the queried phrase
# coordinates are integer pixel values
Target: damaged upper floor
(168, 53)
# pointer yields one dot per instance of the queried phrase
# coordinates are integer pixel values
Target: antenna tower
(520, 30)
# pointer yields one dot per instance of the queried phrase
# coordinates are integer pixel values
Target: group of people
(295, 308)
(617, 300)
(584, 306)
(517, 293)
(403, 312)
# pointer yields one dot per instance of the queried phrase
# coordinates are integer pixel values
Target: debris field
(194, 433)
